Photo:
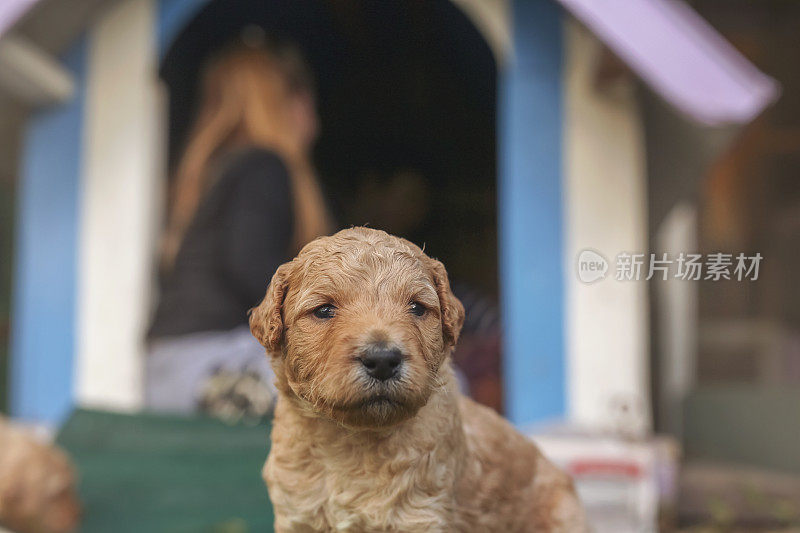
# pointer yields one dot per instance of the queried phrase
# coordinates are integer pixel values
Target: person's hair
(244, 102)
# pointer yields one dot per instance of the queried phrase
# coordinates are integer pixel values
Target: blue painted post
(531, 219)
(43, 319)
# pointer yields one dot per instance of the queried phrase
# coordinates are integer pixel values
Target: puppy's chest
(364, 494)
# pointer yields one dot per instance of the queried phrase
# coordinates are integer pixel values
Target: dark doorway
(407, 101)
(407, 96)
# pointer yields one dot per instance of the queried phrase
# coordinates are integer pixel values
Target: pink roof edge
(11, 11)
(681, 57)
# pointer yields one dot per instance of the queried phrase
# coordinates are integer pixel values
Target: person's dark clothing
(241, 233)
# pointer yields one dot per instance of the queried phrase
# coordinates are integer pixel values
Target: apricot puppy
(37, 484)
(370, 432)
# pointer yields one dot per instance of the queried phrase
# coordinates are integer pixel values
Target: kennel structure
(91, 162)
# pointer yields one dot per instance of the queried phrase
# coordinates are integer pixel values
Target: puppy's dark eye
(325, 311)
(417, 309)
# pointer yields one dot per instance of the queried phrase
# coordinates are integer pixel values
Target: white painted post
(120, 205)
(607, 321)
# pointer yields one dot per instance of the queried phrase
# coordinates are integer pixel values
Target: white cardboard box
(621, 483)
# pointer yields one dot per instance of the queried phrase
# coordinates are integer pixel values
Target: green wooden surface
(153, 473)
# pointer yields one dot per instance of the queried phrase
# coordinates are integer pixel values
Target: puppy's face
(360, 324)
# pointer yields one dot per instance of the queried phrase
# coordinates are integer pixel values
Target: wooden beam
(32, 76)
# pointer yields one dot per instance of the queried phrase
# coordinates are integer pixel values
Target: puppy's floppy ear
(452, 310)
(266, 320)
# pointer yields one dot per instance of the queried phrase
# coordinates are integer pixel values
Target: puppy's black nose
(382, 363)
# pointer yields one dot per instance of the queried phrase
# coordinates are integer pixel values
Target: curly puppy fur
(37, 485)
(355, 453)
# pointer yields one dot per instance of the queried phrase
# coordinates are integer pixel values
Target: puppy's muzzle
(381, 362)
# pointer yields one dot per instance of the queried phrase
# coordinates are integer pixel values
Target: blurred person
(245, 200)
